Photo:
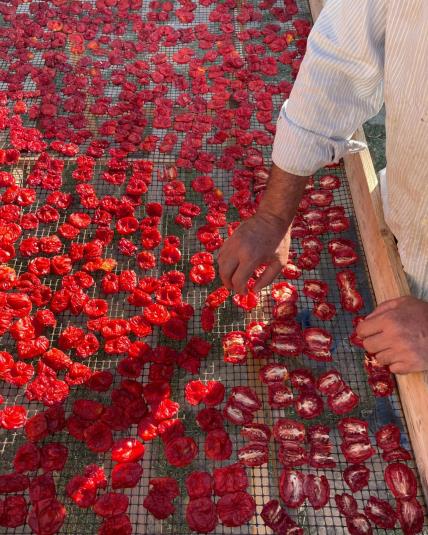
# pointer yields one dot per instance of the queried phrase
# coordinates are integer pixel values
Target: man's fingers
(241, 275)
(376, 343)
(227, 268)
(370, 327)
(267, 276)
(386, 358)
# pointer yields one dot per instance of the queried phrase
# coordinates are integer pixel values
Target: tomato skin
(317, 490)
(201, 515)
(411, 516)
(358, 524)
(346, 504)
(199, 485)
(218, 445)
(380, 513)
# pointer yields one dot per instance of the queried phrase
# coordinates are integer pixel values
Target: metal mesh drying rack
(347, 358)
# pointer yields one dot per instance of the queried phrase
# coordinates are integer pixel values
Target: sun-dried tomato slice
(411, 516)
(324, 311)
(287, 345)
(13, 417)
(199, 485)
(254, 454)
(302, 379)
(353, 430)
(214, 393)
(275, 517)
(273, 373)
(380, 513)
(181, 451)
(284, 291)
(344, 401)
(292, 454)
(245, 397)
(330, 382)
(357, 452)
(126, 475)
(236, 508)
(217, 297)
(388, 437)
(82, 490)
(111, 504)
(289, 430)
(209, 419)
(235, 347)
(401, 481)
(315, 289)
(317, 490)
(53, 456)
(202, 274)
(291, 488)
(280, 396)
(218, 445)
(98, 437)
(346, 504)
(127, 450)
(46, 516)
(358, 524)
(156, 314)
(309, 405)
(201, 515)
(232, 478)
(356, 477)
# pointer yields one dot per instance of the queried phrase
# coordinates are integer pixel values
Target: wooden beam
(388, 280)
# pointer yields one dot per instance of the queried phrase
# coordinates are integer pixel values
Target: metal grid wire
(348, 359)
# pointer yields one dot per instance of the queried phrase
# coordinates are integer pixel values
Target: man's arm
(338, 87)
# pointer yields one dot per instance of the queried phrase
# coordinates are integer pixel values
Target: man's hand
(262, 239)
(265, 237)
(397, 333)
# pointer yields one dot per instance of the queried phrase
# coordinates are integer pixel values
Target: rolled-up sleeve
(339, 87)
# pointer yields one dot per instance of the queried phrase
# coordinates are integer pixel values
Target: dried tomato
(100, 381)
(358, 524)
(209, 419)
(214, 393)
(47, 516)
(236, 508)
(156, 314)
(119, 524)
(98, 437)
(411, 516)
(181, 451)
(195, 392)
(199, 485)
(202, 274)
(126, 475)
(344, 401)
(346, 504)
(82, 491)
(254, 454)
(13, 417)
(111, 504)
(291, 488)
(218, 445)
(13, 511)
(201, 515)
(401, 481)
(309, 405)
(53, 456)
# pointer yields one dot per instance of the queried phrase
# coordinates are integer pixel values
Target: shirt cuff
(301, 152)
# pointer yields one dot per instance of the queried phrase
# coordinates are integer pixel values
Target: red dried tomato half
(280, 396)
(199, 485)
(236, 508)
(317, 490)
(291, 488)
(289, 430)
(254, 454)
(346, 504)
(156, 314)
(411, 516)
(202, 274)
(401, 481)
(201, 515)
(380, 513)
(181, 451)
(209, 419)
(309, 405)
(358, 524)
(127, 450)
(13, 417)
(111, 504)
(126, 475)
(218, 445)
(344, 401)
(82, 490)
(357, 452)
(256, 432)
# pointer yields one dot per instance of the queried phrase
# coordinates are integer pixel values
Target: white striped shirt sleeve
(339, 87)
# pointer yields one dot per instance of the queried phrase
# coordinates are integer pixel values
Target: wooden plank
(388, 280)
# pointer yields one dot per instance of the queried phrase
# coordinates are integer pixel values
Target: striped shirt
(361, 53)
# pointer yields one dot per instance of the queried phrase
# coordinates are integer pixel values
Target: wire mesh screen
(98, 55)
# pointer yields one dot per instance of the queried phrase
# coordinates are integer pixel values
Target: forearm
(282, 196)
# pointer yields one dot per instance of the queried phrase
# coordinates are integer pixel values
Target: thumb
(268, 275)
